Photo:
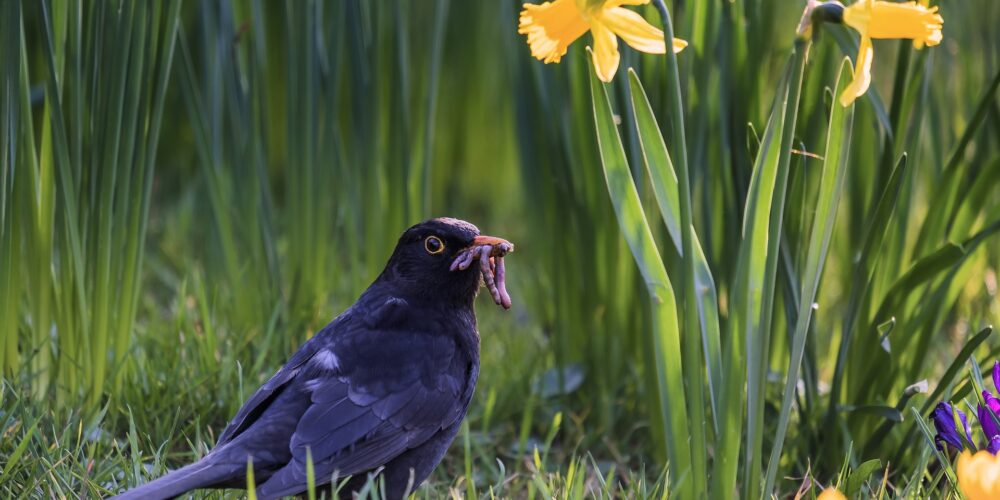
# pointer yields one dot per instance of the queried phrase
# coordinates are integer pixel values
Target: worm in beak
(490, 251)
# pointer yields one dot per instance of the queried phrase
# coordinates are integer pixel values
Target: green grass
(724, 282)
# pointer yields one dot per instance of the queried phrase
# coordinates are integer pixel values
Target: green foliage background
(189, 190)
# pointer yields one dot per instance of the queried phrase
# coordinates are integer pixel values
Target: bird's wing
(371, 413)
(262, 398)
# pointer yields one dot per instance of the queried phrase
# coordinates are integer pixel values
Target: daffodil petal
(679, 45)
(632, 28)
(606, 55)
(551, 27)
(862, 73)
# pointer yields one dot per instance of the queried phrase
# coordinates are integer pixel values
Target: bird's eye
(433, 245)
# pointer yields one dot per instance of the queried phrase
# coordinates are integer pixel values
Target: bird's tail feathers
(201, 474)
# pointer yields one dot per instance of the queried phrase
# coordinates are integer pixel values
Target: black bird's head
(445, 260)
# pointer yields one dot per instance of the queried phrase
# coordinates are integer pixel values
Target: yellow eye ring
(433, 245)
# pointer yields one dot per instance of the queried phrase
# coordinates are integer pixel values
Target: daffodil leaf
(835, 160)
(884, 330)
(952, 182)
(974, 200)
(753, 141)
(922, 271)
(663, 178)
(876, 232)
(744, 298)
(635, 229)
(886, 412)
(943, 384)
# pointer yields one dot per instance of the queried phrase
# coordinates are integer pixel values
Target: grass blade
(19, 450)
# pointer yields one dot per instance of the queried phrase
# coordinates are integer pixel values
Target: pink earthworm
(501, 284)
(491, 267)
(484, 268)
(464, 259)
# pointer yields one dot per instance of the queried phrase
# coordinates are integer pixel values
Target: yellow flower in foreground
(552, 26)
(879, 19)
(831, 493)
(979, 475)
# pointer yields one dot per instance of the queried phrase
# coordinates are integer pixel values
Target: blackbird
(382, 389)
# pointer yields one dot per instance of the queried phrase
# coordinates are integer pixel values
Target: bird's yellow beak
(500, 246)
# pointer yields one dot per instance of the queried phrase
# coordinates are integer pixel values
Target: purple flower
(989, 415)
(986, 416)
(994, 445)
(944, 422)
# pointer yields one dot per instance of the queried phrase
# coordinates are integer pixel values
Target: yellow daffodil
(978, 475)
(552, 26)
(879, 19)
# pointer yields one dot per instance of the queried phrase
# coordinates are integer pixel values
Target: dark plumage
(384, 385)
